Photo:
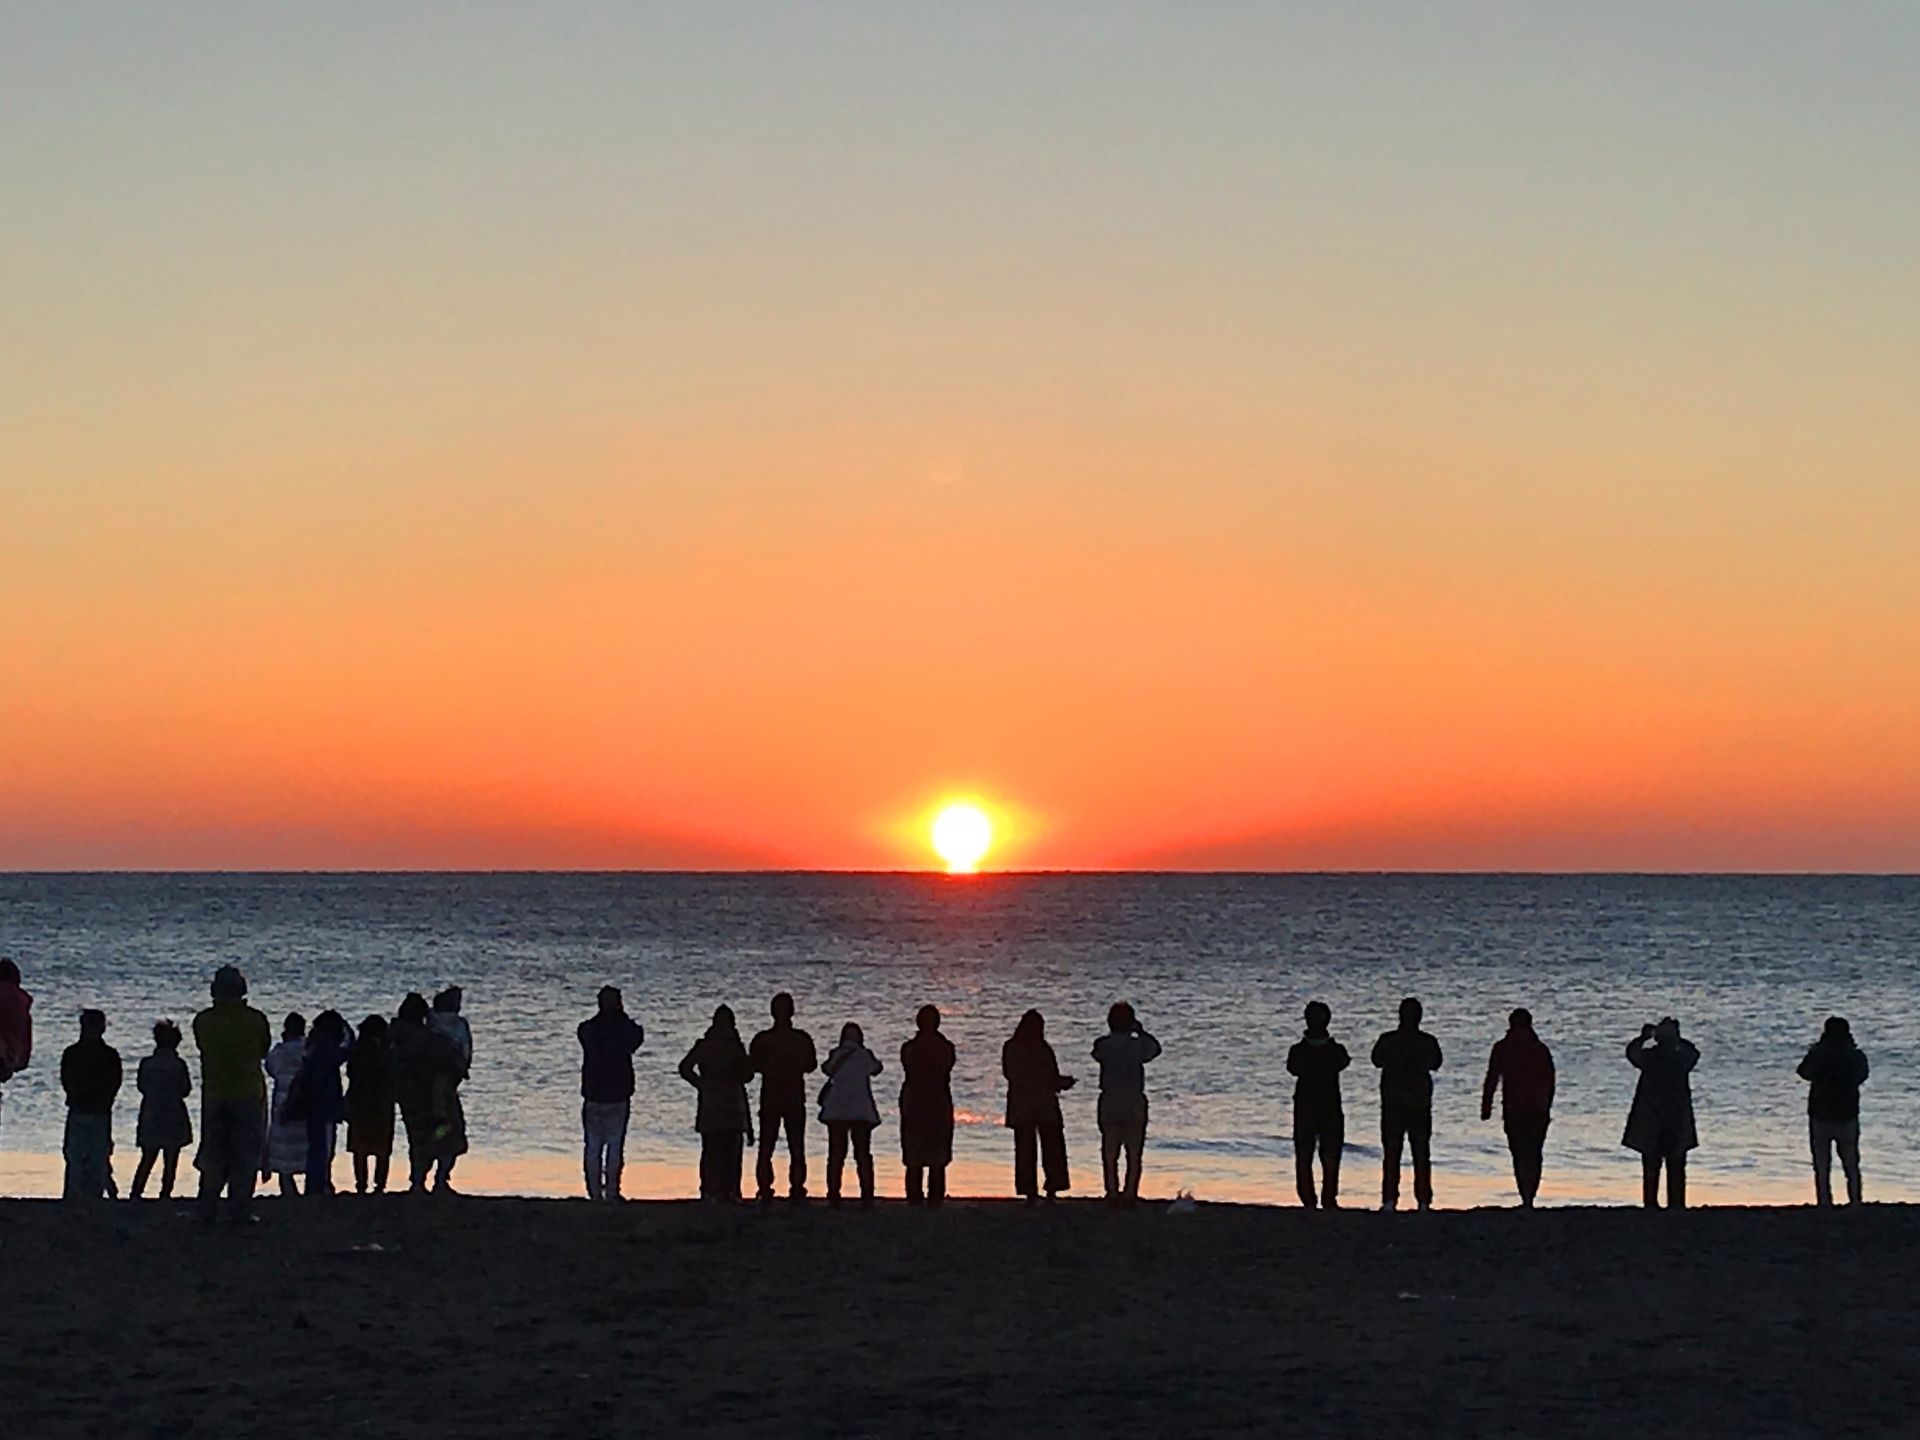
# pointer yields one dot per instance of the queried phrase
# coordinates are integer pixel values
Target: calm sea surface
(1218, 966)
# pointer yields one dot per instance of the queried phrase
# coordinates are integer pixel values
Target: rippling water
(1219, 967)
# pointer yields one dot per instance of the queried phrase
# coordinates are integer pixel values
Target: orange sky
(497, 463)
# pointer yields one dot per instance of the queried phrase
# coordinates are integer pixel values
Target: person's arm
(1859, 1067)
(1806, 1069)
(813, 1061)
(1553, 1077)
(1341, 1059)
(119, 1074)
(1433, 1053)
(1149, 1048)
(835, 1059)
(638, 1035)
(1689, 1054)
(1636, 1052)
(688, 1071)
(1492, 1084)
(1293, 1059)
(1379, 1047)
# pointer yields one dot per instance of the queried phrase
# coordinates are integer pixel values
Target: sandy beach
(479, 1317)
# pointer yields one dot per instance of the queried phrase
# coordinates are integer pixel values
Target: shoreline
(461, 1315)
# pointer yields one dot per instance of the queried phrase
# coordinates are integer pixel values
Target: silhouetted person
(329, 1046)
(370, 1103)
(1034, 1085)
(1319, 1121)
(164, 1128)
(1837, 1069)
(1406, 1057)
(607, 1043)
(1123, 1054)
(848, 1111)
(426, 1072)
(16, 1025)
(719, 1068)
(90, 1074)
(287, 1133)
(783, 1058)
(1660, 1125)
(926, 1109)
(447, 1022)
(233, 1039)
(1521, 1068)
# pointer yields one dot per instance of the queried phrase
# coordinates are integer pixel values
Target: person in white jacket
(848, 1112)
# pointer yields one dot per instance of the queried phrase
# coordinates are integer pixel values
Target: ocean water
(1218, 966)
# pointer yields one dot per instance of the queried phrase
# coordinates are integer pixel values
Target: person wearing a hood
(370, 1104)
(1660, 1125)
(286, 1149)
(426, 1070)
(1319, 1120)
(328, 1049)
(848, 1112)
(1521, 1069)
(926, 1109)
(90, 1074)
(233, 1039)
(718, 1068)
(165, 1128)
(451, 1026)
(1836, 1068)
(1406, 1057)
(1034, 1085)
(16, 1026)
(607, 1043)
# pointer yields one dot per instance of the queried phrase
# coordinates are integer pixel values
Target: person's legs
(1650, 1179)
(148, 1154)
(1026, 1161)
(1420, 1139)
(763, 1165)
(837, 1137)
(443, 1174)
(169, 1170)
(1393, 1132)
(1306, 1135)
(1526, 1141)
(796, 1123)
(217, 1157)
(288, 1186)
(1847, 1138)
(936, 1186)
(1677, 1179)
(593, 1150)
(319, 1157)
(1820, 1138)
(381, 1164)
(419, 1153)
(359, 1173)
(1053, 1157)
(1333, 1140)
(916, 1192)
(862, 1136)
(617, 1147)
(1111, 1136)
(1136, 1144)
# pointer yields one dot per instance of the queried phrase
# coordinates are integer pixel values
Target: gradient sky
(1341, 435)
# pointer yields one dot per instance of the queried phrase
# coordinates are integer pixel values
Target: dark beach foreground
(534, 1317)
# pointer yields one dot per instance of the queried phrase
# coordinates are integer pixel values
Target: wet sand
(534, 1317)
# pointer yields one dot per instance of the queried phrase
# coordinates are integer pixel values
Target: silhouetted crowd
(272, 1109)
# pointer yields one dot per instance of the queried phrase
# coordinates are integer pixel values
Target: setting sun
(962, 835)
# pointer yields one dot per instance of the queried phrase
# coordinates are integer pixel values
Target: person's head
(927, 1018)
(1667, 1030)
(229, 983)
(166, 1036)
(93, 1024)
(295, 1027)
(330, 1026)
(1319, 1017)
(723, 1021)
(852, 1034)
(1837, 1030)
(611, 1002)
(413, 1009)
(782, 1008)
(1520, 1020)
(1120, 1017)
(1410, 1013)
(9, 973)
(1032, 1026)
(373, 1030)
(447, 1002)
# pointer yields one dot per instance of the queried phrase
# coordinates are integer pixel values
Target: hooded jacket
(1837, 1072)
(16, 1028)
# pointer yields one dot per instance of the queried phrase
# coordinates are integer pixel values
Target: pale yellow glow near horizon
(962, 835)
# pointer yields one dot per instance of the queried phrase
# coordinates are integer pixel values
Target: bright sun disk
(962, 834)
